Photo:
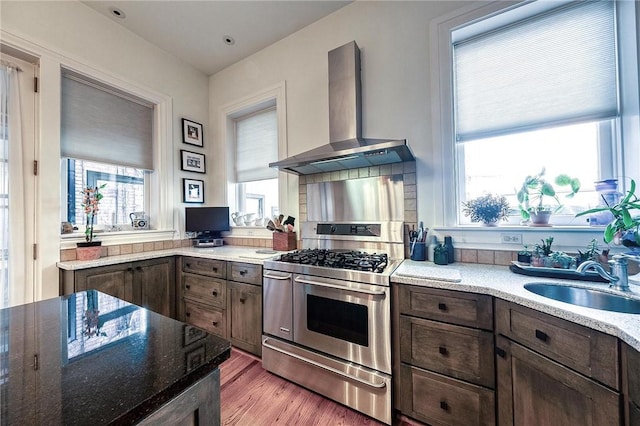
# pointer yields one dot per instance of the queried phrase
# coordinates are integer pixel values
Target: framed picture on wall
(192, 161)
(193, 191)
(192, 132)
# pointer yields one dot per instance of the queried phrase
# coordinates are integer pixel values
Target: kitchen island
(89, 358)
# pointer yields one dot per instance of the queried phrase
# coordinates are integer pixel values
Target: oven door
(346, 319)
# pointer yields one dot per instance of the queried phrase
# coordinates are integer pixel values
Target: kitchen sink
(586, 297)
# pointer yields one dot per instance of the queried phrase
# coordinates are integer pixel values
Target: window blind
(555, 68)
(256, 146)
(102, 125)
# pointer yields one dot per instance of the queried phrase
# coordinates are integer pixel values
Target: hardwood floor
(252, 396)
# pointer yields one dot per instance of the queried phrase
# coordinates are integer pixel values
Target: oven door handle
(339, 287)
(277, 277)
(325, 367)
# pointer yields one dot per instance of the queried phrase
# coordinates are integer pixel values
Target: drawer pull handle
(542, 335)
(214, 269)
(444, 405)
(285, 330)
(215, 323)
(442, 306)
(501, 352)
(215, 293)
(443, 351)
(243, 272)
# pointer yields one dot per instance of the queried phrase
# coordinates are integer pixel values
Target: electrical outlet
(510, 238)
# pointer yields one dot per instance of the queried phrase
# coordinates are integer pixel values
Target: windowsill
(250, 232)
(68, 241)
(514, 237)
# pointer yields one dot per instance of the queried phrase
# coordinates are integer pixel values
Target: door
(536, 391)
(346, 319)
(114, 280)
(245, 316)
(17, 181)
(154, 279)
(278, 304)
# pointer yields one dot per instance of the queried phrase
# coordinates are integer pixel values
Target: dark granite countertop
(92, 359)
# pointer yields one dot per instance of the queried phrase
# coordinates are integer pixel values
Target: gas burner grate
(355, 260)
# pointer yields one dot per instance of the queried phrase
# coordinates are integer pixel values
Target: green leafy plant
(561, 259)
(592, 252)
(531, 195)
(525, 251)
(487, 208)
(91, 204)
(623, 219)
(545, 247)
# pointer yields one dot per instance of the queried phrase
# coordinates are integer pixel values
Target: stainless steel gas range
(327, 309)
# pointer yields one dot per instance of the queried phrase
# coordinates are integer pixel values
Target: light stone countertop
(230, 253)
(500, 282)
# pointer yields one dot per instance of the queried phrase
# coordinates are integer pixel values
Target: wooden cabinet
(445, 344)
(147, 283)
(224, 298)
(244, 288)
(631, 384)
(551, 371)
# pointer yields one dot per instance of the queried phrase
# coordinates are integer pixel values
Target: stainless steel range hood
(347, 149)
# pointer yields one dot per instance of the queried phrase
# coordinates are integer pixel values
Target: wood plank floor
(252, 396)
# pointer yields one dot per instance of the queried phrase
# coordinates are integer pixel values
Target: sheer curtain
(14, 288)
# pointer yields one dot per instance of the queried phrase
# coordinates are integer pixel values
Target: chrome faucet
(618, 275)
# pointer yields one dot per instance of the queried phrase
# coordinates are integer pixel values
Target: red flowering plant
(90, 203)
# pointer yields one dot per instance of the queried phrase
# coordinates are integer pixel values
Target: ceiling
(195, 31)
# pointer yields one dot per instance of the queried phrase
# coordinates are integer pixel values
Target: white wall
(63, 32)
(394, 42)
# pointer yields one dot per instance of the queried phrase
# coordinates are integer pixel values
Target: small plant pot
(540, 218)
(89, 251)
(537, 261)
(524, 258)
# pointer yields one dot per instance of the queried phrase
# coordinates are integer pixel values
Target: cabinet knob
(443, 351)
(215, 323)
(187, 286)
(444, 405)
(501, 352)
(138, 268)
(188, 314)
(215, 293)
(541, 335)
(442, 306)
(242, 299)
(129, 269)
(214, 269)
(188, 265)
(243, 272)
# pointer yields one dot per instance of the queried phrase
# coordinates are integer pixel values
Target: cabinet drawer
(587, 351)
(209, 318)
(244, 273)
(440, 400)
(461, 352)
(209, 267)
(208, 290)
(472, 310)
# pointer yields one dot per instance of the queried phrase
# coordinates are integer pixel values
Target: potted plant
(592, 253)
(623, 229)
(524, 255)
(488, 209)
(531, 196)
(560, 259)
(537, 257)
(90, 249)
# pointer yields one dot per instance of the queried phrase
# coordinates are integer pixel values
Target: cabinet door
(154, 285)
(534, 390)
(114, 280)
(245, 316)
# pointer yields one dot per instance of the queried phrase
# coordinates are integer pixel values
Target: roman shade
(105, 125)
(555, 68)
(256, 146)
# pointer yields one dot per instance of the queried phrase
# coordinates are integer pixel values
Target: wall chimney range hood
(347, 149)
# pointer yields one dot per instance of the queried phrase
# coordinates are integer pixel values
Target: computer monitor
(209, 222)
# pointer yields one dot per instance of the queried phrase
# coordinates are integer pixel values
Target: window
(532, 86)
(254, 191)
(106, 138)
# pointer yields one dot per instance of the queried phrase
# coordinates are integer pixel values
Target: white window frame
(228, 113)
(159, 182)
(447, 171)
